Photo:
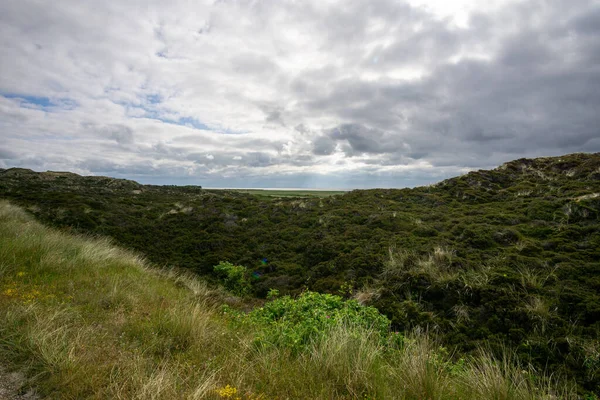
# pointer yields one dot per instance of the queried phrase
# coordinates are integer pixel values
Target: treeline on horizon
(502, 257)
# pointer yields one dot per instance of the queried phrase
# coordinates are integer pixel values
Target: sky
(295, 93)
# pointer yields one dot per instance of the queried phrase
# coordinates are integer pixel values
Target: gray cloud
(121, 134)
(323, 146)
(587, 23)
(527, 99)
(364, 140)
(6, 154)
(274, 115)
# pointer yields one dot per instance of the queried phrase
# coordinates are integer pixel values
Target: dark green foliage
(524, 241)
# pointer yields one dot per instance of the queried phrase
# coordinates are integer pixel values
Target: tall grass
(85, 319)
(437, 266)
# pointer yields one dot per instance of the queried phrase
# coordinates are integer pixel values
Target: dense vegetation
(502, 257)
(88, 320)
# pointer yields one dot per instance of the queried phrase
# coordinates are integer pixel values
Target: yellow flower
(21, 273)
(227, 392)
(10, 292)
(29, 297)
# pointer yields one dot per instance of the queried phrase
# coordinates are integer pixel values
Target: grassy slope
(88, 320)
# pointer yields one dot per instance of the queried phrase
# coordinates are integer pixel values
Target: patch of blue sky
(34, 100)
(150, 112)
(42, 102)
(154, 98)
(144, 112)
(183, 121)
(193, 122)
(196, 124)
(228, 131)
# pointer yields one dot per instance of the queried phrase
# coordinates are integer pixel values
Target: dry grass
(366, 295)
(475, 278)
(540, 311)
(535, 278)
(421, 371)
(437, 266)
(487, 377)
(461, 312)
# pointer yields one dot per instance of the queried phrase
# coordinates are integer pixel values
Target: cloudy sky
(295, 93)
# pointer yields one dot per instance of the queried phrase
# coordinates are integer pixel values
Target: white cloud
(459, 10)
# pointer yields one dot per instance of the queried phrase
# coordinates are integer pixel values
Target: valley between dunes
(484, 286)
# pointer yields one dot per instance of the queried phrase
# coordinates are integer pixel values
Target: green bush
(234, 277)
(294, 323)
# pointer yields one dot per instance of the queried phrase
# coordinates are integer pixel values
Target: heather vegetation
(85, 319)
(503, 260)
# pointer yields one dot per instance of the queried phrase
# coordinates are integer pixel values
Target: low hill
(501, 257)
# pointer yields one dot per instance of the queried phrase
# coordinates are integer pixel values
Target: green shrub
(294, 323)
(235, 277)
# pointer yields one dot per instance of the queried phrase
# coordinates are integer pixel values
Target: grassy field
(274, 193)
(85, 319)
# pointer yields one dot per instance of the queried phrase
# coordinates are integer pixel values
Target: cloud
(323, 146)
(120, 133)
(364, 140)
(395, 92)
(6, 154)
